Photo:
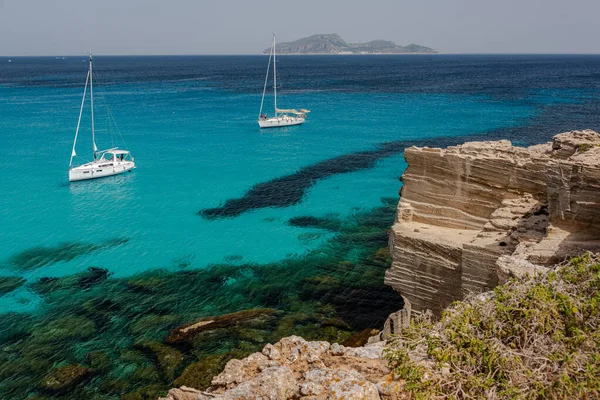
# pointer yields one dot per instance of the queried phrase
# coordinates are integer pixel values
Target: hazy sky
(67, 27)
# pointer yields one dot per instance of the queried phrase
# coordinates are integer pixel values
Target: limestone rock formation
(295, 368)
(464, 207)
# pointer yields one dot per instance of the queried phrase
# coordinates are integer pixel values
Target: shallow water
(220, 216)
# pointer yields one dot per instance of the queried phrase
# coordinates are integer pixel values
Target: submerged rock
(168, 358)
(186, 332)
(152, 322)
(65, 378)
(14, 326)
(144, 393)
(40, 256)
(199, 374)
(68, 327)
(98, 361)
(74, 283)
(10, 283)
(148, 283)
(328, 223)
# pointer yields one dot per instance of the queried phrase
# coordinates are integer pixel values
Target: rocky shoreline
(470, 217)
(296, 368)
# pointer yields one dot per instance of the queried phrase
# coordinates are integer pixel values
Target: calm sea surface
(211, 190)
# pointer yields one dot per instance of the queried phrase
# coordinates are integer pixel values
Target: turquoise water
(194, 149)
(191, 124)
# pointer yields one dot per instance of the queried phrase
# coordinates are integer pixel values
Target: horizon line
(291, 54)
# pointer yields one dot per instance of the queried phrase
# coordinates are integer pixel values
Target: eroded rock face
(295, 368)
(464, 207)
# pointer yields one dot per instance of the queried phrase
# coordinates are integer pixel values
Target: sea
(285, 227)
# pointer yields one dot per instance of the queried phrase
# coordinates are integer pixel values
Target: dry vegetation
(534, 338)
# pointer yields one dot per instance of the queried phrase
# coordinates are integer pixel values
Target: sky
(73, 27)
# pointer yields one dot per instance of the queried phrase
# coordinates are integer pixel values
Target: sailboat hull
(95, 170)
(280, 122)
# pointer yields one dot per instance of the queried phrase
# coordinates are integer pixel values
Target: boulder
(185, 333)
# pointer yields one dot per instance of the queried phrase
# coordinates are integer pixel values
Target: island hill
(334, 44)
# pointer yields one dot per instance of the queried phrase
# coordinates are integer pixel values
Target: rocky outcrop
(465, 207)
(296, 369)
(187, 332)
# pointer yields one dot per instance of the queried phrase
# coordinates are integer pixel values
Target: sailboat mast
(274, 75)
(262, 101)
(73, 153)
(92, 107)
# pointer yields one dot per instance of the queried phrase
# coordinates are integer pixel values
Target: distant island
(333, 44)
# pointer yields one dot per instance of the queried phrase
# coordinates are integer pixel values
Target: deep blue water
(191, 124)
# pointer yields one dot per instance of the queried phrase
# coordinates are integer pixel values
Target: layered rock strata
(294, 368)
(465, 207)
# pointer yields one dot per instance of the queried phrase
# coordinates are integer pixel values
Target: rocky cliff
(468, 211)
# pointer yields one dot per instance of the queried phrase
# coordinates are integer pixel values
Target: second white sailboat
(281, 117)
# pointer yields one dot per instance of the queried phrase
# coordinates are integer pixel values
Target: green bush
(532, 338)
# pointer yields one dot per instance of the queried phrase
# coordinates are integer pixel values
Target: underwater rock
(234, 258)
(92, 276)
(289, 190)
(76, 282)
(67, 327)
(326, 223)
(308, 237)
(14, 326)
(148, 283)
(98, 361)
(131, 356)
(186, 332)
(168, 358)
(199, 374)
(146, 373)
(144, 393)
(152, 323)
(114, 386)
(40, 256)
(65, 378)
(10, 283)
(100, 309)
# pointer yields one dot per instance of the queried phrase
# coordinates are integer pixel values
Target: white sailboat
(281, 117)
(108, 162)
